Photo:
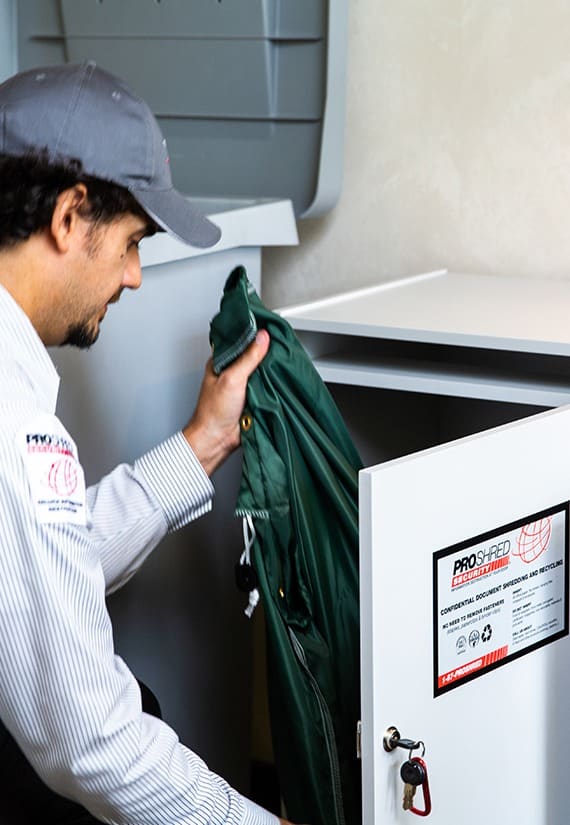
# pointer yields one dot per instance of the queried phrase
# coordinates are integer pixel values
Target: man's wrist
(210, 451)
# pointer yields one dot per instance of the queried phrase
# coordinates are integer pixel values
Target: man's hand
(213, 432)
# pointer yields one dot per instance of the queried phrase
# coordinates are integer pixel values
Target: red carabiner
(425, 788)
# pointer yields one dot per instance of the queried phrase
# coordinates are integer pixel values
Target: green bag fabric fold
(299, 488)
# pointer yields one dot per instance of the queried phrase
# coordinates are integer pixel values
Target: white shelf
(443, 307)
(440, 379)
(473, 336)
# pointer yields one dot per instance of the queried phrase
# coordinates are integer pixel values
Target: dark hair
(30, 185)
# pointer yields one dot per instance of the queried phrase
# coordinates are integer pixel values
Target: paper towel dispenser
(249, 93)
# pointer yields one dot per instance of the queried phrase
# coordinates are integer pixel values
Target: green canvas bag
(299, 501)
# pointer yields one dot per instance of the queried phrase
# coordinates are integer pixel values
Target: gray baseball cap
(85, 113)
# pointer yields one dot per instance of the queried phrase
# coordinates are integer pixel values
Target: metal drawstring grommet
(245, 422)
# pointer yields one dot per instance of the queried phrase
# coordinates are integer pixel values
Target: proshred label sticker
(57, 483)
(499, 596)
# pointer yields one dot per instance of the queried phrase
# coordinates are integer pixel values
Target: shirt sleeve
(132, 508)
(71, 704)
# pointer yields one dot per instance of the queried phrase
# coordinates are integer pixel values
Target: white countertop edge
(340, 297)
(265, 223)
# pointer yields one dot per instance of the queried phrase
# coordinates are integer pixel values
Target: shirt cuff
(256, 815)
(178, 480)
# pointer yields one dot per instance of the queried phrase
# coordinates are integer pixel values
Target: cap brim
(174, 213)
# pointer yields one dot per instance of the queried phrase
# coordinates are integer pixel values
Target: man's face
(107, 263)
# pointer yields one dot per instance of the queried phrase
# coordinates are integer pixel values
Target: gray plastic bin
(239, 86)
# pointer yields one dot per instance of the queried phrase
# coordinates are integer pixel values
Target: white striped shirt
(71, 703)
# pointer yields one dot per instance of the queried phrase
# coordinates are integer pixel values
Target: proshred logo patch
(55, 476)
(481, 563)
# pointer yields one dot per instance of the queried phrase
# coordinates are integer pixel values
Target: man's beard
(81, 335)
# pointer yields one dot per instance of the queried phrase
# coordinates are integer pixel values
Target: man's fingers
(254, 354)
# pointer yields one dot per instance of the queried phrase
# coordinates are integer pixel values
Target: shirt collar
(20, 341)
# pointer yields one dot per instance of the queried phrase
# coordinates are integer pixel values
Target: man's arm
(133, 507)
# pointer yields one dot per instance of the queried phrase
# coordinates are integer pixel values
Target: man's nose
(133, 272)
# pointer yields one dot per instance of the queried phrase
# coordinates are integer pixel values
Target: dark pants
(25, 800)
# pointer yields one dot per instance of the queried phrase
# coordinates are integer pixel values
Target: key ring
(416, 746)
(426, 791)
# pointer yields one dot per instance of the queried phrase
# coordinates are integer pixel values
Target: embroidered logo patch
(55, 475)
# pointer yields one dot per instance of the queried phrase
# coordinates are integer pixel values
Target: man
(84, 177)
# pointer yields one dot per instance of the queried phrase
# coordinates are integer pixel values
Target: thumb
(254, 354)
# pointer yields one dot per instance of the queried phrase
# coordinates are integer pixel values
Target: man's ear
(66, 218)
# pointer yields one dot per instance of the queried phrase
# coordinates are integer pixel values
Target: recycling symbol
(487, 633)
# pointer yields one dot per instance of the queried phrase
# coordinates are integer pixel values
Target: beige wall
(457, 148)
